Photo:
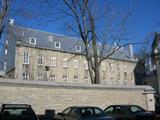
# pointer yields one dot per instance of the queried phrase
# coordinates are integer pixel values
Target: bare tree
(84, 14)
(3, 14)
(96, 28)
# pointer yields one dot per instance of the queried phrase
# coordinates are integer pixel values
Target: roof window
(57, 45)
(78, 48)
(33, 41)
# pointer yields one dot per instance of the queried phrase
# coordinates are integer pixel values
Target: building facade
(37, 55)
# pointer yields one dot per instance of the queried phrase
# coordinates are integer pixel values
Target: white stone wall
(44, 95)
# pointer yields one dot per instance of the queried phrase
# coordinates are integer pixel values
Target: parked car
(83, 113)
(17, 112)
(129, 112)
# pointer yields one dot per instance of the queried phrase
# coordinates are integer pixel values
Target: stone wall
(47, 95)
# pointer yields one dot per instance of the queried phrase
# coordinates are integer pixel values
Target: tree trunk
(97, 77)
(90, 69)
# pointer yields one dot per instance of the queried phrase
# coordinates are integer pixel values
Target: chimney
(131, 50)
(11, 21)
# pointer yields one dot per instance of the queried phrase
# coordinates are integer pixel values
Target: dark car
(129, 112)
(83, 113)
(17, 112)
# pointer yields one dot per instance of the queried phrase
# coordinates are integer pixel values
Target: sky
(145, 17)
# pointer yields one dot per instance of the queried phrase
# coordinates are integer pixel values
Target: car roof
(16, 106)
(84, 107)
(124, 105)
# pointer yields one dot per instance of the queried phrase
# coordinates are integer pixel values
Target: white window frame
(103, 66)
(5, 65)
(31, 41)
(104, 75)
(25, 58)
(53, 61)
(50, 38)
(85, 65)
(40, 76)
(78, 50)
(53, 77)
(25, 76)
(40, 58)
(65, 63)
(75, 64)
(86, 75)
(125, 67)
(65, 78)
(76, 78)
(125, 75)
(59, 45)
(111, 67)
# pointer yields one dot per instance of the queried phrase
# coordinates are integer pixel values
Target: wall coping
(34, 83)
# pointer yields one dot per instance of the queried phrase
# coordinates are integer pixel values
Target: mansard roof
(67, 44)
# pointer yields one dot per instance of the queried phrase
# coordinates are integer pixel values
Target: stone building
(37, 55)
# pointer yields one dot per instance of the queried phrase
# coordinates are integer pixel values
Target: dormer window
(78, 48)
(50, 38)
(57, 45)
(33, 41)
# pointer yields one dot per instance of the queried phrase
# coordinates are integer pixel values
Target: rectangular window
(104, 75)
(125, 75)
(125, 78)
(111, 67)
(86, 75)
(85, 65)
(75, 63)
(53, 61)
(118, 67)
(103, 67)
(119, 76)
(50, 38)
(78, 48)
(25, 76)
(125, 67)
(40, 59)
(65, 63)
(5, 65)
(53, 78)
(57, 45)
(40, 76)
(33, 41)
(65, 78)
(132, 76)
(76, 78)
(26, 58)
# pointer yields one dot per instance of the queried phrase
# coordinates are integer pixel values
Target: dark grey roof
(68, 44)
